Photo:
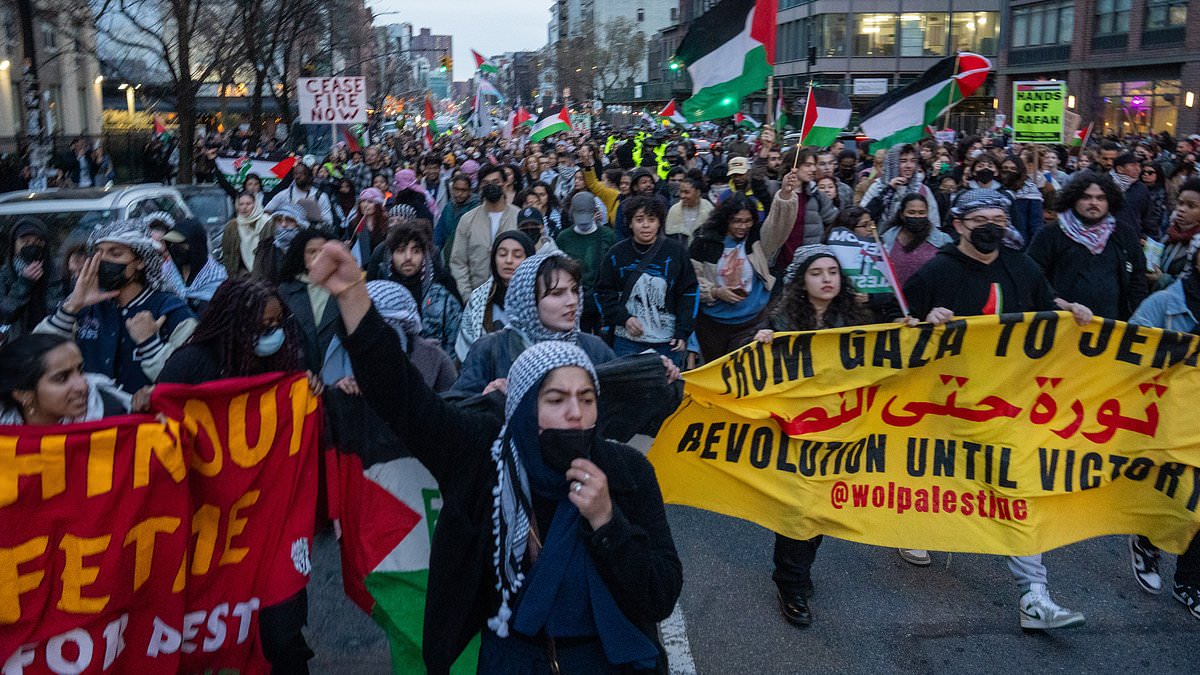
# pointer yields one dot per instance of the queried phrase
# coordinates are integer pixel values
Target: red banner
(149, 545)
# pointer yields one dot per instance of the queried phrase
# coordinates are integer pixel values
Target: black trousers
(1187, 566)
(282, 641)
(793, 564)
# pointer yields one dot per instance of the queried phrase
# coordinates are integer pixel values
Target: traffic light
(812, 55)
(447, 64)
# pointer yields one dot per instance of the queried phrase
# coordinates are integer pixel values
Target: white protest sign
(332, 100)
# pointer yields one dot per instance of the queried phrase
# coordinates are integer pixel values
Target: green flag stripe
(723, 100)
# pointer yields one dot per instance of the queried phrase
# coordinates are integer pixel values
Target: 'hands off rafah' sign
(332, 100)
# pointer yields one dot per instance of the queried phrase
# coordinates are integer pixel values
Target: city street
(874, 612)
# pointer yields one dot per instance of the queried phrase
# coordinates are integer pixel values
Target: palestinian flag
(745, 121)
(551, 123)
(355, 136)
(1080, 137)
(781, 119)
(386, 510)
(523, 118)
(826, 113)
(159, 127)
(430, 124)
(901, 116)
(670, 112)
(729, 51)
(482, 64)
(236, 169)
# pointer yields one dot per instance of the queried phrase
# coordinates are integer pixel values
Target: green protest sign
(1038, 109)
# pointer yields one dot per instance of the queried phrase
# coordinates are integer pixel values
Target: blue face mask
(269, 343)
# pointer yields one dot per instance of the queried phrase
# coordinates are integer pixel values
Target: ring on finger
(576, 486)
(586, 476)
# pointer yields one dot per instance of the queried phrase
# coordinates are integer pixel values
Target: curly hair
(405, 232)
(717, 224)
(792, 310)
(651, 206)
(1080, 181)
(230, 327)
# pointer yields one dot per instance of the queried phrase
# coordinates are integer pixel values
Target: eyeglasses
(1149, 172)
(974, 222)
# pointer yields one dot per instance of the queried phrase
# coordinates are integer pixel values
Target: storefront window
(831, 35)
(875, 35)
(924, 34)
(1140, 107)
(975, 32)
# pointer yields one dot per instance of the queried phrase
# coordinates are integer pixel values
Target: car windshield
(60, 226)
(209, 208)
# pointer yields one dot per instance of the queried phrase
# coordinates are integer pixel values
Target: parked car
(212, 207)
(76, 211)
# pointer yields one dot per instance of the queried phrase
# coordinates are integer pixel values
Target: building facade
(865, 48)
(426, 45)
(68, 71)
(1131, 66)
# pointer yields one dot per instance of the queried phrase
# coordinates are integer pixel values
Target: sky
(487, 26)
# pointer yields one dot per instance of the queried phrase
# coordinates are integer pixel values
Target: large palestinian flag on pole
(551, 123)
(729, 52)
(482, 64)
(903, 115)
(826, 113)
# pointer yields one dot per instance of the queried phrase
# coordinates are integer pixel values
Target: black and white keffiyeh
(397, 307)
(520, 302)
(136, 235)
(511, 496)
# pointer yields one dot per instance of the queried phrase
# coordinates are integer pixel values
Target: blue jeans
(624, 347)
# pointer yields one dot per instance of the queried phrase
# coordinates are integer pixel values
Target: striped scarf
(1094, 238)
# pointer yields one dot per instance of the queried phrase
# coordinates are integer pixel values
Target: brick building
(1131, 66)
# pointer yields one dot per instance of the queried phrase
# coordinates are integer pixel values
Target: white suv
(73, 212)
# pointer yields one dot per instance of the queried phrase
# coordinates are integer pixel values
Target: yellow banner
(1010, 434)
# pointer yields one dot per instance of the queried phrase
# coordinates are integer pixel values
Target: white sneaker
(1038, 611)
(915, 556)
(1145, 565)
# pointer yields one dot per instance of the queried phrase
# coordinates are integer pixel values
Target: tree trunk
(256, 105)
(185, 107)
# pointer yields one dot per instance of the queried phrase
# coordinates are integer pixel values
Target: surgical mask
(492, 192)
(561, 446)
(984, 176)
(268, 343)
(33, 253)
(986, 238)
(111, 275)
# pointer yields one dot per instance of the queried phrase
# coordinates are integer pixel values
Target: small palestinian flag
(670, 112)
(482, 64)
(745, 121)
(901, 116)
(995, 301)
(550, 124)
(430, 124)
(522, 118)
(826, 114)
(1080, 137)
(729, 51)
(781, 119)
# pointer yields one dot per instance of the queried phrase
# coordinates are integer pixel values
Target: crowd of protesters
(502, 266)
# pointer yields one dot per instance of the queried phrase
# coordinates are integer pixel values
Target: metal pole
(35, 129)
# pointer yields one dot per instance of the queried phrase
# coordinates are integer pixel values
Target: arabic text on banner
(1010, 434)
(135, 544)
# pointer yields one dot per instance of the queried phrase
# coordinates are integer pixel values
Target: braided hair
(230, 327)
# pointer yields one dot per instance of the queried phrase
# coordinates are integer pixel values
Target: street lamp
(129, 93)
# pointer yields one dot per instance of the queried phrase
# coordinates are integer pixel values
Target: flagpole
(771, 101)
(803, 124)
(891, 273)
(950, 91)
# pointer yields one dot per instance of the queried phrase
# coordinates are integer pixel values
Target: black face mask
(917, 226)
(32, 253)
(111, 275)
(986, 238)
(492, 192)
(180, 253)
(560, 446)
(984, 176)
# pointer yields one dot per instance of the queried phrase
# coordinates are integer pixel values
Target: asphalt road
(874, 612)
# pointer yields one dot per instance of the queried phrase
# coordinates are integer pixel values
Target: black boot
(795, 609)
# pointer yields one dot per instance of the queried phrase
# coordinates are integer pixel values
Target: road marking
(673, 632)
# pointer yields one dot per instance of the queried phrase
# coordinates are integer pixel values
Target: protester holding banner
(732, 257)
(579, 548)
(911, 240)
(248, 330)
(979, 276)
(42, 382)
(126, 325)
(1087, 256)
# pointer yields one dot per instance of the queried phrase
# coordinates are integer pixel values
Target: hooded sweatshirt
(964, 285)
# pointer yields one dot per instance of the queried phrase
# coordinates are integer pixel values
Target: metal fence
(124, 149)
